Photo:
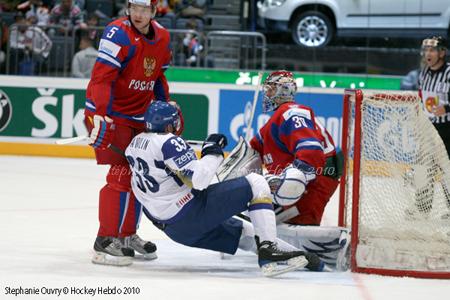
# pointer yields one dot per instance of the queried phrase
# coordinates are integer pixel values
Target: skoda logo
(5, 110)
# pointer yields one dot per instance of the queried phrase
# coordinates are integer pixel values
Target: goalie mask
(278, 88)
(159, 115)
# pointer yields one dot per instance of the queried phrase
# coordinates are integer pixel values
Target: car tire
(312, 29)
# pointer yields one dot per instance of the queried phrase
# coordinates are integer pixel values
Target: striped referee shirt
(434, 88)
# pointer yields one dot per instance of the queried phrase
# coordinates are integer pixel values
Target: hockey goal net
(395, 190)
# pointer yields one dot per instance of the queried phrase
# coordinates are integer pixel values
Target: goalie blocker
(241, 161)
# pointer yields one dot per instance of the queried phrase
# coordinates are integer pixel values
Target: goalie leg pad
(331, 244)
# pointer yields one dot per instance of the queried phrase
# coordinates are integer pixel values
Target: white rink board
(48, 216)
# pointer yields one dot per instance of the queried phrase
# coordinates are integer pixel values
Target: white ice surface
(48, 221)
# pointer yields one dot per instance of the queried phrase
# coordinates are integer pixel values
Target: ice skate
(274, 261)
(146, 248)
(110, 251)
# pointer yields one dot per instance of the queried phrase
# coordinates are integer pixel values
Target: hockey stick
(194, 142)
(84, 138)
(71, 140)
(114, 148)
(252, 113)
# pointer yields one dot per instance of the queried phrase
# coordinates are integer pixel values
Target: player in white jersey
(174, 188)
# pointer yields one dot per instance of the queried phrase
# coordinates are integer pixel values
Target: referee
(434, 90)
(434, 86)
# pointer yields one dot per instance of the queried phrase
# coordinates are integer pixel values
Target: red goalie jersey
(293, 133)
(129, 73)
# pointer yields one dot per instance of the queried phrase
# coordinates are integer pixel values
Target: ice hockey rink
(48, 220)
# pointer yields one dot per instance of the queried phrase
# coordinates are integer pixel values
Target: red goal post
(395, 187)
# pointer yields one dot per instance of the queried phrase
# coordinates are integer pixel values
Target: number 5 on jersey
(111, 32)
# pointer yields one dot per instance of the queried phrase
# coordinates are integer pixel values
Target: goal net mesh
(404, 198)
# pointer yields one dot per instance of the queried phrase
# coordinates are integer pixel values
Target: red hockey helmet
(279, 87)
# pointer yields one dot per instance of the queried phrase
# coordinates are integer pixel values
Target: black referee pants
(444, 132)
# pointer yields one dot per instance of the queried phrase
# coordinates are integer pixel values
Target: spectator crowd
(30, 29)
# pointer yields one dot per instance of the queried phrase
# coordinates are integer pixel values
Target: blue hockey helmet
(159, 115)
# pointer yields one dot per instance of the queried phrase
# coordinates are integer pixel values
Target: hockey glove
(214, 144)
(288, 187)
(102, 134)
(309, 171)
(274, 182)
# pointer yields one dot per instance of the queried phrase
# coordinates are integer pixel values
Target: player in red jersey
(133, 54)
(298, 153)
(303, 171)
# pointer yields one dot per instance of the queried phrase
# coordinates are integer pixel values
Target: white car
(313, 23)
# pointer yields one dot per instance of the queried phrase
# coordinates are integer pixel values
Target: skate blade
(146, 256)
(274, 269)
(101, 258)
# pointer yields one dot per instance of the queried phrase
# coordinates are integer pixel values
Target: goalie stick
(252, 113)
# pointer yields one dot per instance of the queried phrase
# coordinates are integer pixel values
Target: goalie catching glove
(289, 186)
(214, 144)
(102, 133)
